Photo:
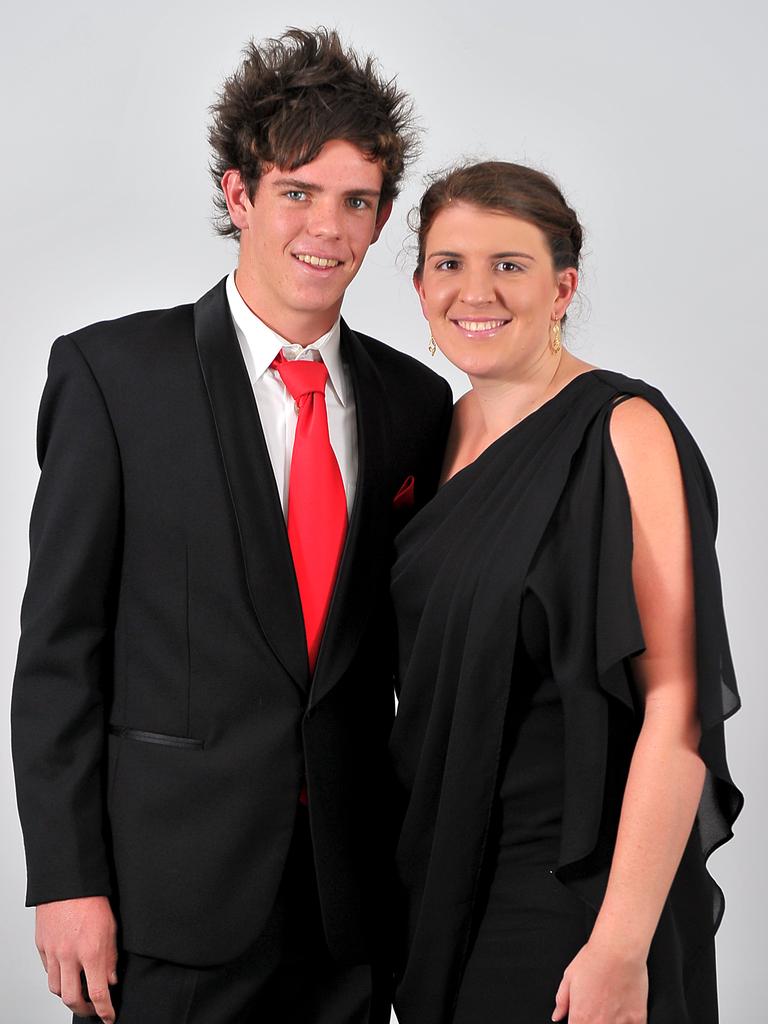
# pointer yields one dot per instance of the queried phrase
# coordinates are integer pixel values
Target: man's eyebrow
(308, 186)
(300, 186)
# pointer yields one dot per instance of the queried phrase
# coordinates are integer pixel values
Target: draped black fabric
(545, 511)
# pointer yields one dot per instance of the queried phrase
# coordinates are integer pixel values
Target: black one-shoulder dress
(518, 716)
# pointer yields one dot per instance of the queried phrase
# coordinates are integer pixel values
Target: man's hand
(74, 936)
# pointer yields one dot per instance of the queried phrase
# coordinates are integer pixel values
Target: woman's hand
(603, 986)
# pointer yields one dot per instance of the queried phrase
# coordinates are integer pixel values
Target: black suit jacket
(163, 712)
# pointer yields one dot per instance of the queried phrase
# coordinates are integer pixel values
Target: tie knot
(301, 376)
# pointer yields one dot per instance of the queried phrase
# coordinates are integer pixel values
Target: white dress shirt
(277, 410)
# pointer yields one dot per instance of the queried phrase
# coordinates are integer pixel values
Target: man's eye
(357, 203)
(296, 194)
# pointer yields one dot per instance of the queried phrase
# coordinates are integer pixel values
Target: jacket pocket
(161, 738)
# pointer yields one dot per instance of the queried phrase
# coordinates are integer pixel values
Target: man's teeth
(480, 325)
(317, 261)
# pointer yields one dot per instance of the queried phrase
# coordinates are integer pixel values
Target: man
(203, 692)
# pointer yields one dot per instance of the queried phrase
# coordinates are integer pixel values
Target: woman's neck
(499, 404)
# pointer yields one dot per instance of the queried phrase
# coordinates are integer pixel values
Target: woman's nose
(477, 288)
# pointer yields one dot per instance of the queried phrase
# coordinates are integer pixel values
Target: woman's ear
(419, 286)
(567, 283)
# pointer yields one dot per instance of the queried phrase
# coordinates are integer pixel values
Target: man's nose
(325, 220)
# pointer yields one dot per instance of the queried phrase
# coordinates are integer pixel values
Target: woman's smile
(479, 328)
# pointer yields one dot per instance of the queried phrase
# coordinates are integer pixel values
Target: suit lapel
(263, 536)
(369, 522)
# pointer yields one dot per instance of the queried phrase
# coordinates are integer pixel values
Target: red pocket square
(405, 496)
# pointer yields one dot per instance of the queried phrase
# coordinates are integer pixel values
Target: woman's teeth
(480, 325)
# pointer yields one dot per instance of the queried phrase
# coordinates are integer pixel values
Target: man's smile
(323, 262)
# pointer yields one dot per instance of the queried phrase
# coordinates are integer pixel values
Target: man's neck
(296, 326)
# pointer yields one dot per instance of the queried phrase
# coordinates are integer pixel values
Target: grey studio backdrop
(651, 117)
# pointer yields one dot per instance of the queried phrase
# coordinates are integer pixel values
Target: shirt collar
(262, 344)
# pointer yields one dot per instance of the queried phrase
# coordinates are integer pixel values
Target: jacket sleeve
(64, 667)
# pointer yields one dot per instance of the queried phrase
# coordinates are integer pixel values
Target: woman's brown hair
(506, 188)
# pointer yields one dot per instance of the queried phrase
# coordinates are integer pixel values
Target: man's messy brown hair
(293, 94)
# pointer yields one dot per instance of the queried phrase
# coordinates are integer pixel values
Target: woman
(564, 665)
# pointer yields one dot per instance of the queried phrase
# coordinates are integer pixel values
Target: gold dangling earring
(432, 345)
(556, 337)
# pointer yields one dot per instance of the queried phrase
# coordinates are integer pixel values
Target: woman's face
(490, 292)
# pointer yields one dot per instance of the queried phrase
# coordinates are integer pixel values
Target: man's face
(304, 237)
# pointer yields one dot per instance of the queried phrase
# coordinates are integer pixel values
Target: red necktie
(317, 504)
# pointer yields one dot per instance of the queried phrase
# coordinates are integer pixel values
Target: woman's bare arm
(607, 981)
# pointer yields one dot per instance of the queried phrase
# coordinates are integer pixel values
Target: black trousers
(287, 977)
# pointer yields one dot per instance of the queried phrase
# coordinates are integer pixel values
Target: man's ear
(236, 196)
(382, 216)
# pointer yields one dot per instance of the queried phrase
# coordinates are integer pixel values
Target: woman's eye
(447, 265)
(506, 266)
(296, 194)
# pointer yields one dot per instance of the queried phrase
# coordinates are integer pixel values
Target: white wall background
(650, 115)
